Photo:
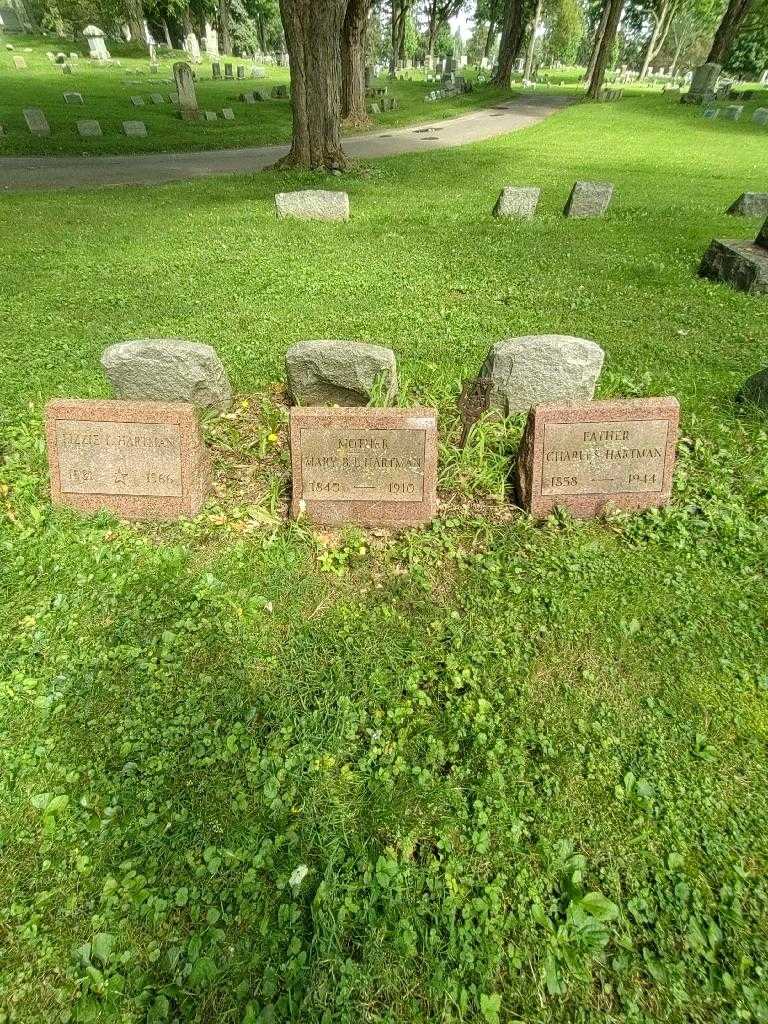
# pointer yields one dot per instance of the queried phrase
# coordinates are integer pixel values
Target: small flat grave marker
(210, 115)
(157, 97)
(140, 460)
(19, 63)
(228, 114)
(73, 97)
(36, 121)
(589, 457)
(88, 129)
(137, 101)
(588, 199)
(373, 467)
(135, 128)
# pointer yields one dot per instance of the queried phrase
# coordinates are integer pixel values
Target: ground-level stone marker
(313, 204)
(750, 204)
(741, 264)
(590, 457)
(588, 199)
(135, 128)
(332, 372)
(88, 129)
(374, 467)
(140, 460)
(36, 121)
(517, 202)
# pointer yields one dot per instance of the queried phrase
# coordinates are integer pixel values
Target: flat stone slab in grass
(313, 204)
(755, 390)
(88, 129)
(73, 97)
(750, 204)
(137, 101)
(135, 128)
(517, 202)
(595, 456)
(140, 460)
(589, 199)
(36, 121)
(742, 265)
(372, 467)
(342, 373)
(210, 115)
(157, 97)
(168, 370)
(279, 92)
(228, 114)
(541, 368)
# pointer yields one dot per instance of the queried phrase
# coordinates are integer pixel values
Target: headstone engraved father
(140, 460)
(367, 466)
(589, 457)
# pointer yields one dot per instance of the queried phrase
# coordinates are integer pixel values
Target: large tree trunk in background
(490, 39)
(261, 33)
(225, 27)
(511, 36)
(530, 52)
(604, 51)
(432, 28)
(598, 39)
(727, 30)
(313, 38)
(135, 18)
(353, 39)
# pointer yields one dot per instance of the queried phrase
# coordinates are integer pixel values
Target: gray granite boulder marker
(36, 121)
(750, 204)
(313, 204)
(755, 390)
(742, 265)
(733, 112)
(588, 199)
(760, 116)
(339, 372)
(135, 128)
(88, 129)
(167, 370)
(517, 202)
(541, 368)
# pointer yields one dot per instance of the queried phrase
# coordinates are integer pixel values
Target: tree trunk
(528, 70)
(511, 36)
(261, 33)
(313, 38)
(353, 38)
(728, 29)
(658, 36)
(432, 28)
(225, 27)
(490, 39)
(604, 51)
(598, 39)
(135, 18)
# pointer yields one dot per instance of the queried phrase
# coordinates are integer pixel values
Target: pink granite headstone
(593, 456)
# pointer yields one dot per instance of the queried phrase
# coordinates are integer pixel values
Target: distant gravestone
(73, 97)
(279, 92)
(97, 48)
(257, 72)
(742, 265)
(541, 368)
(313, 204)
(733, 112)
(137, 101)
(710, 112)
(66, 69)
(703, 84)
(592, 457)
(517, 202)
(88, 129)
(248, 97)
(210, 115)
(228, 114)
(19, 63)
(343, 373)
(755, 390)
(157, 97)
(760, 116)
(588, 199)
(371, 467)
(216, 70)
(36, 121)
(240, 71)
(750, 204)
(168, 370)
(139, 460)
(228, 71)
(185, 87)
(136, 129)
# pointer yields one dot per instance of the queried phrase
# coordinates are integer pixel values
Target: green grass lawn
(523, 765)
(107, 91)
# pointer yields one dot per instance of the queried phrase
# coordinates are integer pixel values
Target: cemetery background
(486, 771)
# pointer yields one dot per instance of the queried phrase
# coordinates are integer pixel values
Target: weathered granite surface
(313, 204)
(518, 202)
(168, 370)
(339, 372)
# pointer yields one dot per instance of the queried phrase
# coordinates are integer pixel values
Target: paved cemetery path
(22, 174)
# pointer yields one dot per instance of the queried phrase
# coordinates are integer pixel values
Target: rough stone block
(140, 460)
(168, 370)
(342, 373)
(372, 467)
(517, 202)
(742, 265)
(588, 199)
(595, 456)
(755, 390)
(313, 204)
(750, 204)
(541, 368)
